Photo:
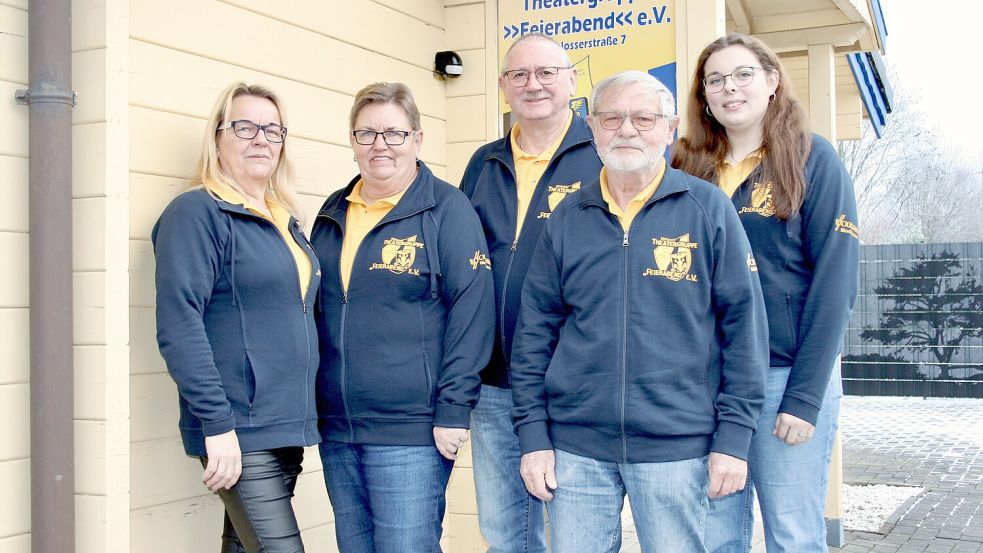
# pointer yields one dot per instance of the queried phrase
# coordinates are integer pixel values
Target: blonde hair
(281, 187)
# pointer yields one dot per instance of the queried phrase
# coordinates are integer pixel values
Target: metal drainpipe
(50, 100)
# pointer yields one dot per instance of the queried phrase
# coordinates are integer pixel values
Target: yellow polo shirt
(730, 177)
(636, 203)
(359, 220)
(529, 168)
(281, 219)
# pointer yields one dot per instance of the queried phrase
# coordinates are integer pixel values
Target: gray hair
(529, 36)
(650, 87)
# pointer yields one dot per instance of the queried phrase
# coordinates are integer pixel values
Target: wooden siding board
(330, 63)
(13, 141)
(13, 45)
(356, 23)
(14, 278)
(15, 413)
(153, 407)
(15, 364)
(144, 356)
(14, 210)
(16, 476)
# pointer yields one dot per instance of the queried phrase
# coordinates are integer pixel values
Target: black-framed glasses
(642, 121)
(247, 130)
(366, 137)
(545, 75)
(742, 76)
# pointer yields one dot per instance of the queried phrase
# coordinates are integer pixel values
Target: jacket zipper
(505, 288)
(307, 327)
(344, 369)
(343, 376)
(624, 350)
(344, 311)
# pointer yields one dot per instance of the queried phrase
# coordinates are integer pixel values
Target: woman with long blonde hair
(236, 281)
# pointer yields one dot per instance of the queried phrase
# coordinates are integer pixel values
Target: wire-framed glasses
(545, 75)
(742, 76)
(642, 121)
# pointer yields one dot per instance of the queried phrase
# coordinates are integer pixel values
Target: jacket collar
(419, 196)
(673, 182)
(578, 133)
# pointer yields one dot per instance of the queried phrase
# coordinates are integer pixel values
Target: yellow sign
(602, 37)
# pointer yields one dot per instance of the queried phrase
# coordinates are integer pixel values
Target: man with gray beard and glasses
(639, 360)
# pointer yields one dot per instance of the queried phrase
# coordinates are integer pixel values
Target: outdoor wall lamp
(448, 64)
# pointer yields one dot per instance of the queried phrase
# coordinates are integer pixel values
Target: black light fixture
(448, 64)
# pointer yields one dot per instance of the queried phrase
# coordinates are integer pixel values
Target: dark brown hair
(786, 135)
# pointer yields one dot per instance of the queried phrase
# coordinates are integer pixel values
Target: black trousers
(259, 517)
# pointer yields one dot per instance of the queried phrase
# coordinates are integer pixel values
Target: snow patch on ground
(867, 507)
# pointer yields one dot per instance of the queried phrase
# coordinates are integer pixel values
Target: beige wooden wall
(472, 120)
(101, 425)
(316, 55)
(147, 73)
(14, 353)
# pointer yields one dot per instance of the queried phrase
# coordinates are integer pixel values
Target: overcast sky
(937, 50)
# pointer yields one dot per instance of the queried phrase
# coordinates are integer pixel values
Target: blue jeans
(510, 519)
(790, 482)
(668, 502)
(386, 499)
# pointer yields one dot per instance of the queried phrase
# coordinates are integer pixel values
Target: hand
(727, 474)
(449, 440)
(224, 461)
(538, 470)
(792, 430)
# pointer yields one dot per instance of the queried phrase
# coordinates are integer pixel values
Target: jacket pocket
(430, 391)
(792, 325)
(248, 381)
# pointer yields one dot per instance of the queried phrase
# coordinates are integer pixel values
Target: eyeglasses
(612, 120)
(366, 137)
(545, 75)
(247, 130)
(742, 76)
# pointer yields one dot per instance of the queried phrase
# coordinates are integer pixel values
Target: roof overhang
(854, 28)
(790, 27)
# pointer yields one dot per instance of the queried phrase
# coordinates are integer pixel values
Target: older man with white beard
(639, 360)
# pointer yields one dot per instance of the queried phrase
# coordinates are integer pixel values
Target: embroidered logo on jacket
(751, 263)
(398, 255)
(673, 258)
(761, 201)
(556, 194)
(847, 227)
(480, 260)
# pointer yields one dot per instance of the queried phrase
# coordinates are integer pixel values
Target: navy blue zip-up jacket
(401, 350)
(809, 267)
(643, 346)
(489, 181)
(238, 339)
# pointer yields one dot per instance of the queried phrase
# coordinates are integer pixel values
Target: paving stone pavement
(935, 444)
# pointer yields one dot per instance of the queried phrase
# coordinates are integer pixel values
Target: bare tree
(910, 186)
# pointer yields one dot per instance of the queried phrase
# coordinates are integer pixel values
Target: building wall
(316, 56)
(14, 353)
(147, 73)
(101, 425)
(472, 120)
